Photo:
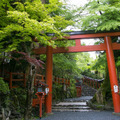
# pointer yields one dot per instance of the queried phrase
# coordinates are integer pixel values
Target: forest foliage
(22, 22)
(100, 15)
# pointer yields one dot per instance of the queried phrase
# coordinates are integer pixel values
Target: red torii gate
(107, 46)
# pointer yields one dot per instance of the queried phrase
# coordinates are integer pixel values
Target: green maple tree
(22, 22)
(101, 15)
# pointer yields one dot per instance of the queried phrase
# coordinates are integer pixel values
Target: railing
(15, 77)
(95, 83)
(61, 81)
(39, 77)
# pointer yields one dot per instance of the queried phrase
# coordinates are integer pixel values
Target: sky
(77, 2)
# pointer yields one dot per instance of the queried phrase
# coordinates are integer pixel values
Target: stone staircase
(87, 90)
(74, 105)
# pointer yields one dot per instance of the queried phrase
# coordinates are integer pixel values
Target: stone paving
(91, 115)
(87, 115)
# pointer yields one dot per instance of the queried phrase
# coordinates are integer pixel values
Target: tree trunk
(30, 90)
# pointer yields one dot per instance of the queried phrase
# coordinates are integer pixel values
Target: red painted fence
(95, 83)
(61, 81)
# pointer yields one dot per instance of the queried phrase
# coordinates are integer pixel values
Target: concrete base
(118, 114)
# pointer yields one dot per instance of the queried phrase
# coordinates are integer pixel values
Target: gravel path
(92, 115)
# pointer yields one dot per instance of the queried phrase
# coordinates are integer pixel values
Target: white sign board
(46, 90)
(115, 88)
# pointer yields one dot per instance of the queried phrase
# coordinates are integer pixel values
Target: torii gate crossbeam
(79, 48)
(107, 46)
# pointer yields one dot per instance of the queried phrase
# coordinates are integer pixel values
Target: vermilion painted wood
(24, 80)
(77, 48)
(100, 47)
(88, 35)
(40, 96)
(95, 35)
(10, 81)
(112, 73)
(77, 42)
(49, 71)
(78, 88)
(116, 46)
(108, 46)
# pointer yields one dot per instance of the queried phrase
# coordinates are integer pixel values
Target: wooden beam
(112, 74)
(95, 35)
(77, 48)
(116, 46)
(101, 47)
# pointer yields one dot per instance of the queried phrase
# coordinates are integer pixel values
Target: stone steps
(87, 90)
(78, 106)
(72, 110)
(73, 107)
(71, 103)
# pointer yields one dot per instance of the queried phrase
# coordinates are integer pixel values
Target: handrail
(38, 77)
(61, 80)
(10, 78)
(41, 78)
(95, 83)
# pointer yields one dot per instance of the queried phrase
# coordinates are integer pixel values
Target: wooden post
(93, 83)
(24, 79)
(42, 78)
(35, 81)
(99, 85)
(90, 82)
(78, 42)
(112, 74)
(68, 82)
(58, 80)
(40, 96)
(49, 70)
(10, 82)
(96, 84)
(62, 80)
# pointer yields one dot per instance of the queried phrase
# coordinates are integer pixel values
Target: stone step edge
(70, 107)
(63, 110)
(71, 103)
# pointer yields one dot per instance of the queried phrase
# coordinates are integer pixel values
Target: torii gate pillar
(112, 74)
(49, 72)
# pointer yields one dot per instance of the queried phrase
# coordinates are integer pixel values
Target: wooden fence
(95, 83)
(15, 77)
(21, 77)
(61, 81)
